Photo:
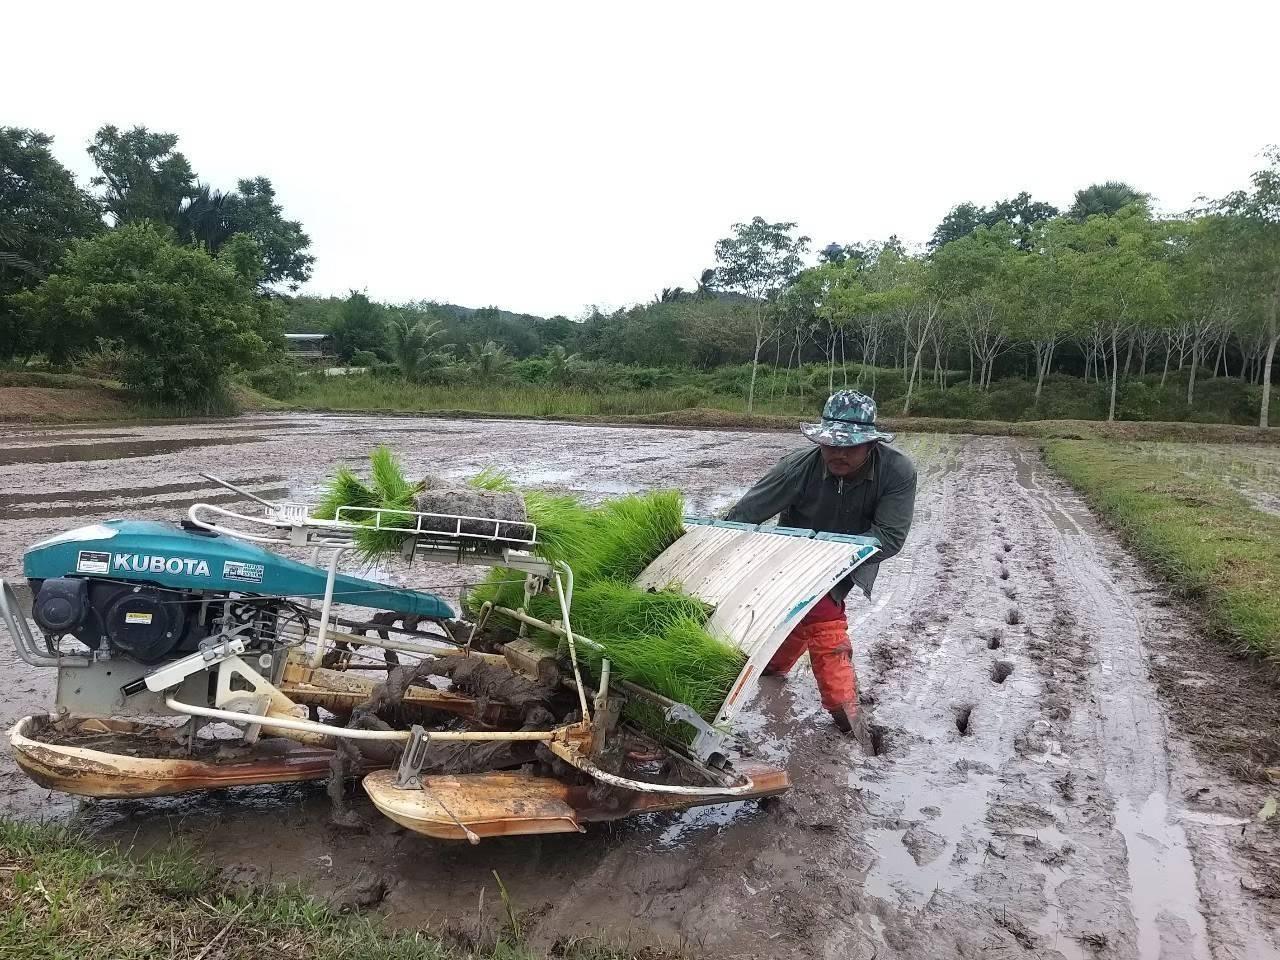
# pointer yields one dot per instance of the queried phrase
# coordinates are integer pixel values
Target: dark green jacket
(878, 502)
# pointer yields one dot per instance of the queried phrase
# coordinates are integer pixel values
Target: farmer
(852, 481)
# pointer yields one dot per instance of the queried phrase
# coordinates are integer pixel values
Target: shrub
(280, 380)
(185, 319)
(1136, 400)
(106, 360)
(683, 398)
(365, 358)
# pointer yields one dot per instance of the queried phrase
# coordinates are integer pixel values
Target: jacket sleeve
(897, 503)
(772, 494)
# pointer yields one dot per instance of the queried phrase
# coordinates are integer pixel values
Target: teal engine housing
(148, 589)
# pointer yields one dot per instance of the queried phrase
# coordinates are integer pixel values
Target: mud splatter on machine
(190, 657)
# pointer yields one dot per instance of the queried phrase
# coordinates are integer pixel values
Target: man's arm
(772, 494)
(894, 510)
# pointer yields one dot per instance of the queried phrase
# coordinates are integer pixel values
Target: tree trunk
(1191, 379)
(970, 363)
(1263, 417)
(1164, 375)
(755, 362)
(1128, 359)
(1042, 366)
(915, 367)
(786, 382)
(777, 362)
(1115, 373)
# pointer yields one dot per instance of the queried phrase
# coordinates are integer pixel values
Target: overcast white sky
(543, 157)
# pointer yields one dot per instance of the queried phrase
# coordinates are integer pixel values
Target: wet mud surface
(1066, 767)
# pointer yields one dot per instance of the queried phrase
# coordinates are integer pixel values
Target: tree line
(1121, 288)
(184, 283)
(169, 276)
(1106, 290)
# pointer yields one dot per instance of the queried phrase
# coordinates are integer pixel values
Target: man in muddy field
(850, 481)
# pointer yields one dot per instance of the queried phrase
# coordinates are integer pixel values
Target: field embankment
(39, 397)
(1211, 541)
(62, 895)
(72, 402)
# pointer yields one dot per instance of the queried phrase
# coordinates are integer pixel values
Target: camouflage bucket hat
(848, 419)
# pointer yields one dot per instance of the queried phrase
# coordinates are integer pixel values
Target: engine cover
(62, 606)
(144, 624)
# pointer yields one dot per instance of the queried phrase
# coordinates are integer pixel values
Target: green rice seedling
(491, 479)
(392, 487)
(344, 489)
(657, 640)
(564, 528)
(389, 489)
(629, 532)
(394, 492)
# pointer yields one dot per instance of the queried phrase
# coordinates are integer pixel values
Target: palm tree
(560, 364)
(204, 218)
(410, 345)
(1105, 199)
(706, 284)
(489, 360)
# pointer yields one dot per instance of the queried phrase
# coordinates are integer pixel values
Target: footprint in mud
(881, 739)
(996, 640)
(1008, 547)
(1009, 592)
(1004, 572)
(964, 719)
(1013, 617)
(1000, 671)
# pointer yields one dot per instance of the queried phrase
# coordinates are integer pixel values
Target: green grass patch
(1204, 537)
(63, 896)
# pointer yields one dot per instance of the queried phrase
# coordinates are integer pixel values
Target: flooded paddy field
(1045, 787)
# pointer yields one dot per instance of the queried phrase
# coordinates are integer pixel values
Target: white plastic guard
(761, 581)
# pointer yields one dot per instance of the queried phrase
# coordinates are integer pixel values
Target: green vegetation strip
(63, 896)
(1208, 540)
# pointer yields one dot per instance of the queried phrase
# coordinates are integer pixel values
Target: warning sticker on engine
(131, 616)
(245, 572)
(92, 561)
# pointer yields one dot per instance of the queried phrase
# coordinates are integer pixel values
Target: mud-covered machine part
(199, 622)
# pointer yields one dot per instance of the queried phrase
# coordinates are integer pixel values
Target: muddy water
(1034, 796)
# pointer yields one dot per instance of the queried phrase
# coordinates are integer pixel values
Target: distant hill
(316, 314)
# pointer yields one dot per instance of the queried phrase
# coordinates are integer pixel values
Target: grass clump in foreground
(1207, 539)
(62, 896)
